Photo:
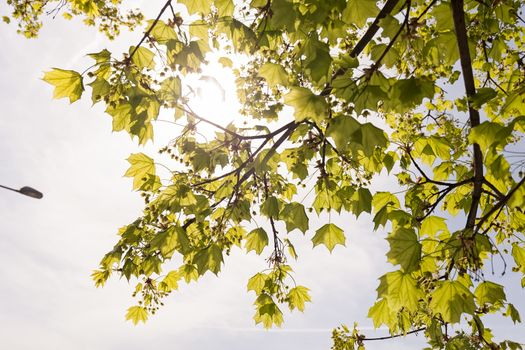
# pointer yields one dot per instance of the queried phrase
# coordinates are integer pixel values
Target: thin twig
(395, 335)
(148, 32)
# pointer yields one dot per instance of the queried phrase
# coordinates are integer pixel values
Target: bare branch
(395, 335)
(458, 15)
(500, 203)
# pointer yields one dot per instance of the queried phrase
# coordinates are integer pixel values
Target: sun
(213, 94)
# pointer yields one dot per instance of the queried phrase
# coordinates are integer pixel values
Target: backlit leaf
(143, 57)
(67, 83)
(451, 299)
(256, 240)
(330, 235)
(405, 249)
(137, 314)
(274, 74)
(297, 297)
(306, 104)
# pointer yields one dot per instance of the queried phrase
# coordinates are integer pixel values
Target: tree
(431, 92)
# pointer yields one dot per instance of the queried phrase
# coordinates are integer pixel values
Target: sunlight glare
(214, 95)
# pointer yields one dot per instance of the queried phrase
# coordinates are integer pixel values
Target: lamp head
(31, 192)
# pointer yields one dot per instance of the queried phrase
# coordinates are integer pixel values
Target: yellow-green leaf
(256, 282)
(141, 167)
(489, 292)
(137, 314)
(143, 57)
(256, 240)
(274, 74)
(194, 6)
(171, 280)
(306, 104)
(451, 299)
(330, 235)
(405, 249)
(294, 217)
(297, 297)
(67, 83)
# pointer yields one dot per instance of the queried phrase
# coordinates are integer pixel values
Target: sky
(49, 247)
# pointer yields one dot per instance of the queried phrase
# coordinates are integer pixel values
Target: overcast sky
(50, 246)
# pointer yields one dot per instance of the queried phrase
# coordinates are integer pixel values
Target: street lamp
(26, 191)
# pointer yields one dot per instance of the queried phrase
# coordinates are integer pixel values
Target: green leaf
(400, 290)
(361, 201)
(270, 207)
(209, 259)
(143, 57)
(141, 167)
(274, 74)
(170, 90)
(372, 137)
(451, 299)
(330, 235)
(256, 240)
(101, 57)
(257, 282)
(483, 95)
(283, 14)
(518, 253)
(224, 7)
(161, 32)
(291, 248)
(306, 104)
(380, 314)
(100, 88)
(194, 6)
(432, 225)
(100, 277)
(137, 314)
(381, 200)
(490, 293)
(513, 313)
(319, 67)
(407, 93)
(121, 115)
(295, 217)
(488, 134)
(269, 314)
(67, 83)
(171, 280)
(174, 238)
(226, 62)
(444, 21)
(358, 11)
(189, 272)
(405, 249)
(343, 130)
(297, 297)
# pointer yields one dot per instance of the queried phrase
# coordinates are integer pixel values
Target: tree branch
(458, 15)
(395, 335)
(272, 149)
(377, 64)
(435, 182)
(500, 203)
(365, 39)
(166, 5)
(374, 27)
(288, 128)
(233, 133)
